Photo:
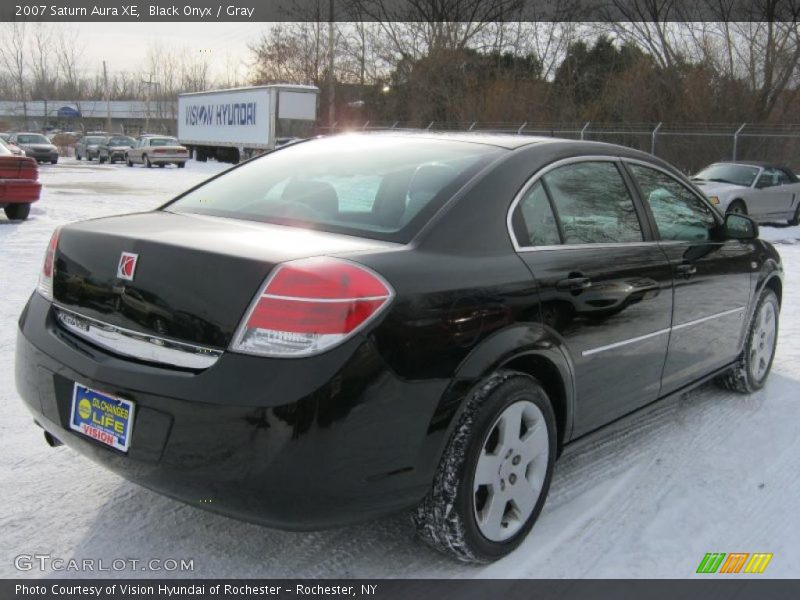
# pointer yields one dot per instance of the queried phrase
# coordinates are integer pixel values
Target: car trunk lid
(179, 276)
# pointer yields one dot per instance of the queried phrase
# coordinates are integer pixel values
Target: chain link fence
(687, 146)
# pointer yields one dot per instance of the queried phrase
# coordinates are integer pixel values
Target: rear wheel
(128, 161)
(795, 220)
(737, 207)
(162, 165)
(147, 162)
(755, 362)
(101, 160)
(181, 165)
(494, 475)
(17, 212)
(78, 156)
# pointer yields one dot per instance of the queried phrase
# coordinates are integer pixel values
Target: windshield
(120, 141)
(94, 140)
(382, 187)
(4, 151)
(726, 173)
(32, 138)
(163, 142)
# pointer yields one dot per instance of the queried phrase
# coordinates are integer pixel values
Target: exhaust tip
(52, 440)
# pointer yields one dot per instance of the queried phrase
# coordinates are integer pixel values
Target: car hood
(38, 146)
(714, 188)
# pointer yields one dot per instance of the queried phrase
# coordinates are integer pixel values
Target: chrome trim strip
(134, 344)
(332, 300)
(624, 342)
(661, 331)
(708, 318)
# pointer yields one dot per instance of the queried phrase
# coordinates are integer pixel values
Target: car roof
(502, 140)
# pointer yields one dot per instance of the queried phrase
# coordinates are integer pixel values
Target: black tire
(17, 212)
(445, 518)
(181, 165)
(162, 165)
(737, 207)
(78, 156)
(101, 160)
(795, 220)
(740, 377)
(54, 161)
(147, 162)
(128, 161)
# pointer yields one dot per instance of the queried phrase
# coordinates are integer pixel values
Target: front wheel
(101, 160)
(755, 362)
(17, 212)
(147, 162)
(128, 161)
(737, 207)
(181, 165)
(494, 475)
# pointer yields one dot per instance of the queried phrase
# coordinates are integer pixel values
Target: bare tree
(69, 50)
(13, 60)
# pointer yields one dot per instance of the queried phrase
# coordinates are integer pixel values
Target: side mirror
(740, 227)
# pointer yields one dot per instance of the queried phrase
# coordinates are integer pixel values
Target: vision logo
(735, 562)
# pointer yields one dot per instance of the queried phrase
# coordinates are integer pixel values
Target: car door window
(768, 178)
(679, 214)
(538, 225)
(593, 204)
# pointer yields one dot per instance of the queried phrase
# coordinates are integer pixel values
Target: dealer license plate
(105, 418)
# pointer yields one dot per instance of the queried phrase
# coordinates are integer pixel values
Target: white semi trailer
(234, 124)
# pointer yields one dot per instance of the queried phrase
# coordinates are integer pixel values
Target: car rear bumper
(19, 191)
(263, 440)
(168, 158)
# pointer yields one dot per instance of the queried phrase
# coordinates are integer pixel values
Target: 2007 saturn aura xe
(363, 324)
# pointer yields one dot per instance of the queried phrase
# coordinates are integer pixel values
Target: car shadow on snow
(594, 475)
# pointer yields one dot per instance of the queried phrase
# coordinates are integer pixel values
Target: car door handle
(685, 270)
(574, 284)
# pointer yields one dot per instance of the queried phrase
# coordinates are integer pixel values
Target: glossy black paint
(357, 431)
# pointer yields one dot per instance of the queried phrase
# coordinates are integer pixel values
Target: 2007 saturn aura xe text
(362, 324)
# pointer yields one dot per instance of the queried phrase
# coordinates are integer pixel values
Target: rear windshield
(32, 138)
(95, 140)
(163, 142)
(377, 187)
(120, 141)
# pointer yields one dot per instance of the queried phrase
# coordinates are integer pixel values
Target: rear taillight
(310, 305)
(46, 276)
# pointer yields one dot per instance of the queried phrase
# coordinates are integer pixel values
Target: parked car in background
(19, 185)
(158, 150)
(361, 324)
(36, 146)
(88, 146)
(114, 147)
(764, 191)
(13, 148)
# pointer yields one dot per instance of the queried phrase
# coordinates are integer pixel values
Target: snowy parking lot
(645, 497)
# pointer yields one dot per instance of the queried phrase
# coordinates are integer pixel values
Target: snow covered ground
(646, 497)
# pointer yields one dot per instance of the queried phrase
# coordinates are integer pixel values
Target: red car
(19, 187)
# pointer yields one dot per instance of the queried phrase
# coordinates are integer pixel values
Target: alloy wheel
(510, 471)
(762, 342)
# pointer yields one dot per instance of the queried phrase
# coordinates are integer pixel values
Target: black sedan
(363, 324)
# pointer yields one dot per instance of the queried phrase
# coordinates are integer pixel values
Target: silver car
(158, 150)
(766, 192)
(88, 147)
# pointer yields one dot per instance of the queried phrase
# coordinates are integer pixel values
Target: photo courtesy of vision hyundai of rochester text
(364, 324)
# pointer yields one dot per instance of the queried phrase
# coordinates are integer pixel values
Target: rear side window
(679, 214)
(384, 187)
(593, 204)
(538, 225)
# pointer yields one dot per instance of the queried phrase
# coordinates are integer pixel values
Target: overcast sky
(123, 45)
